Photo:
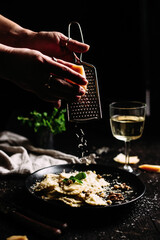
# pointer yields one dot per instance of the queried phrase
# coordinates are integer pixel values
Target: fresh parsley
(55, 121)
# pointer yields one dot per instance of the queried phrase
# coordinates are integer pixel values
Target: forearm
(14, 35)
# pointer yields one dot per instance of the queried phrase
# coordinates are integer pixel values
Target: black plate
(115, 174)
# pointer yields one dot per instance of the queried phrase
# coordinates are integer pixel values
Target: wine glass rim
(132, 103)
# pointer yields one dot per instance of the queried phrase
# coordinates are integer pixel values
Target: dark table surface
(140, 220)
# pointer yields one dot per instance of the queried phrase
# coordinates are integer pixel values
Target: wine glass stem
(127, 144)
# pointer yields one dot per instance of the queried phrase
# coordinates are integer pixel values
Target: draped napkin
(19, 156)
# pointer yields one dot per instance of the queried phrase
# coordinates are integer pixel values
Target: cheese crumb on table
(150, 167)
(120, 158)
(17, 238)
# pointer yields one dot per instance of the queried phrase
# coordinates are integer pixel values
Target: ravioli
(75, 188)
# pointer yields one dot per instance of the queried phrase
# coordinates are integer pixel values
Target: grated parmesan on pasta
(92, 190)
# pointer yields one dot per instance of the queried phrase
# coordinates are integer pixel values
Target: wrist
(5, 52)
(13, 35)
(23, 37)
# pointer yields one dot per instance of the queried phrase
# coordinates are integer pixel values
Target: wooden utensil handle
(36, 226)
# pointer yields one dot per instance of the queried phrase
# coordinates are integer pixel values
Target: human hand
(53, 44)
(30, 69)
(56, 44)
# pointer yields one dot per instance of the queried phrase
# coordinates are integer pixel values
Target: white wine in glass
(127, 123)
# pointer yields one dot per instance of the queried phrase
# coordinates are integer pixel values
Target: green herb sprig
(55, 121)
(80, 176)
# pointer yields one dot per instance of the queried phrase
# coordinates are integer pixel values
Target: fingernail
(81, 90)
(77, 98)
(85, 81)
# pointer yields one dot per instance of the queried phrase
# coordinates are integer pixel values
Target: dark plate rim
(138, 183)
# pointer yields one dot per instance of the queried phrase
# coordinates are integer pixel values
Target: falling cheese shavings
(120, 158)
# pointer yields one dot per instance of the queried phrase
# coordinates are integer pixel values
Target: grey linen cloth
(19, 156)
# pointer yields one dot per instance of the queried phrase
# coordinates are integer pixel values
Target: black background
(124, 38)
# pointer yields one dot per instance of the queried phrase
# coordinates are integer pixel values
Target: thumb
(76, 46)
(73, 45)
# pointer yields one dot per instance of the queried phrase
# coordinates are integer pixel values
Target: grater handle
(81, 33)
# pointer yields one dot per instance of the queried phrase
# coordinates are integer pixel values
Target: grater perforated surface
(88, 107)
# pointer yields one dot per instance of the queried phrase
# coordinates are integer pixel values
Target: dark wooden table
(139, 221)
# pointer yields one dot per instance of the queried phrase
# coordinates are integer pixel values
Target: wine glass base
(131, 170)
(128, 168)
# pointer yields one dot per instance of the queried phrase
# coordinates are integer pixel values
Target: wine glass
(127, 123)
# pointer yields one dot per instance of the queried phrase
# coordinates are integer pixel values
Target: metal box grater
(89, 106)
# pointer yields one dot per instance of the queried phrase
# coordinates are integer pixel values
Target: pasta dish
(80, 188)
